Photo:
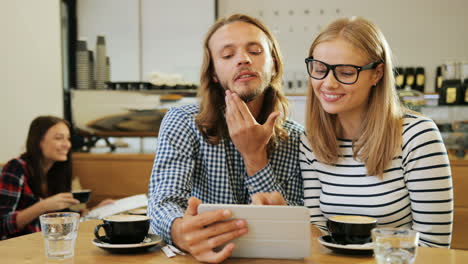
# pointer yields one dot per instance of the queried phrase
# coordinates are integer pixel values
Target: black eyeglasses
(344, 73)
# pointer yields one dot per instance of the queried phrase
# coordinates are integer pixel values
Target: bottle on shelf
(464, 70)
(399, 78)
(451, 92)
(420, 79)
(409, 77)
(438, 80)
(465, 92)
(450, 71)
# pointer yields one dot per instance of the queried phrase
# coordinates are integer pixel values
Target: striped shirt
(415, 192)
(187, 165)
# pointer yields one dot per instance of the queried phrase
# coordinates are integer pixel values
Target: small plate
(366, 249)
(150, 241)
(138, 211)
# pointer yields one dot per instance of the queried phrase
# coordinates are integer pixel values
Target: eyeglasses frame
(369, 66)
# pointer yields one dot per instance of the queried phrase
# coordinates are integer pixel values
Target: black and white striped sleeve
(311, 182)
(428, 179)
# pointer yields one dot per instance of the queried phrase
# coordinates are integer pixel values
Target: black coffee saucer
(150, 241)
(366, 249)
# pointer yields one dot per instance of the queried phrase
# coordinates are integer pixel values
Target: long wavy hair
(380, 138)
(210, 120)
(59, 177)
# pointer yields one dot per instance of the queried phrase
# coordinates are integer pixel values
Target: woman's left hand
(104, 202)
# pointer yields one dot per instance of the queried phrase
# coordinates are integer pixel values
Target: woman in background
(39, 181)
(363, 153)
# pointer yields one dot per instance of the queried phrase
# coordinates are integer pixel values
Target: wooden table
(30, 249)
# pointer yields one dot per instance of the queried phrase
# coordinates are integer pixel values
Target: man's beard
(249, 95)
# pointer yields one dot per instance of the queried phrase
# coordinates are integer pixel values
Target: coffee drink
(351, 229)
(353, 219)
(123, 229)
(138, 211)
(82, 195)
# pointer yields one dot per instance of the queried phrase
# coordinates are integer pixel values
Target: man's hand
(271, 198)
(249, 137)
(199, 234)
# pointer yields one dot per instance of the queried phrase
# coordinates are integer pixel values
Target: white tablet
(274, 231)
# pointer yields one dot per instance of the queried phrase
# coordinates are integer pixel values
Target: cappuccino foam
(353, 219)
(126, 218)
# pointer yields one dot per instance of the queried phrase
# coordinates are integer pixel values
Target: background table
(30, 249)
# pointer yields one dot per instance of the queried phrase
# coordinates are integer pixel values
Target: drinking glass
(59, 231)
(395, 245)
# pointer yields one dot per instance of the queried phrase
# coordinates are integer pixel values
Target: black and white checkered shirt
(186, 165)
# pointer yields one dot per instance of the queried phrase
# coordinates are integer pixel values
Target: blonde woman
(362, 152)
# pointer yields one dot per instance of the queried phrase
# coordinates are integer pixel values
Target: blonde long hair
(210, 120)
(381, 131)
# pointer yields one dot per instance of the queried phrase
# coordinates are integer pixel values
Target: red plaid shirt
(15, 195)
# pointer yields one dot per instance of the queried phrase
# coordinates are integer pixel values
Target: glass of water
(59, 231)
(395, 245)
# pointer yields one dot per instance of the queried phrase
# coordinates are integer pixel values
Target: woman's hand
(104, 202)
(85, 211)
(58, 202)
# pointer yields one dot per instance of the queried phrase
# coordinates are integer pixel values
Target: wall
(420, 32)
(145, 36)
(30, 69)
(118, 21)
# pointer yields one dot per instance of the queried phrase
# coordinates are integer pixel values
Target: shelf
(155, 91)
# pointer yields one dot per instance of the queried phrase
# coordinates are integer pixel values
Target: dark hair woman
(39, 181)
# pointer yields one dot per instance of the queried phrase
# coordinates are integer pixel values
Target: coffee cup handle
(96, 230)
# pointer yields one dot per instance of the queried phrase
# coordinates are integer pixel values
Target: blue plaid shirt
(186, 165)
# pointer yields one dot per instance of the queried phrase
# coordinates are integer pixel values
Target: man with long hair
(236, 147)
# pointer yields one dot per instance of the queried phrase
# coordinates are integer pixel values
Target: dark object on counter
(399, 78)
(132, 86)
(120, 86)
(145, 86)
(409, 77)
(110, 85)
(451, 93)
(420, 79)
(465, 92)
(438, 80)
